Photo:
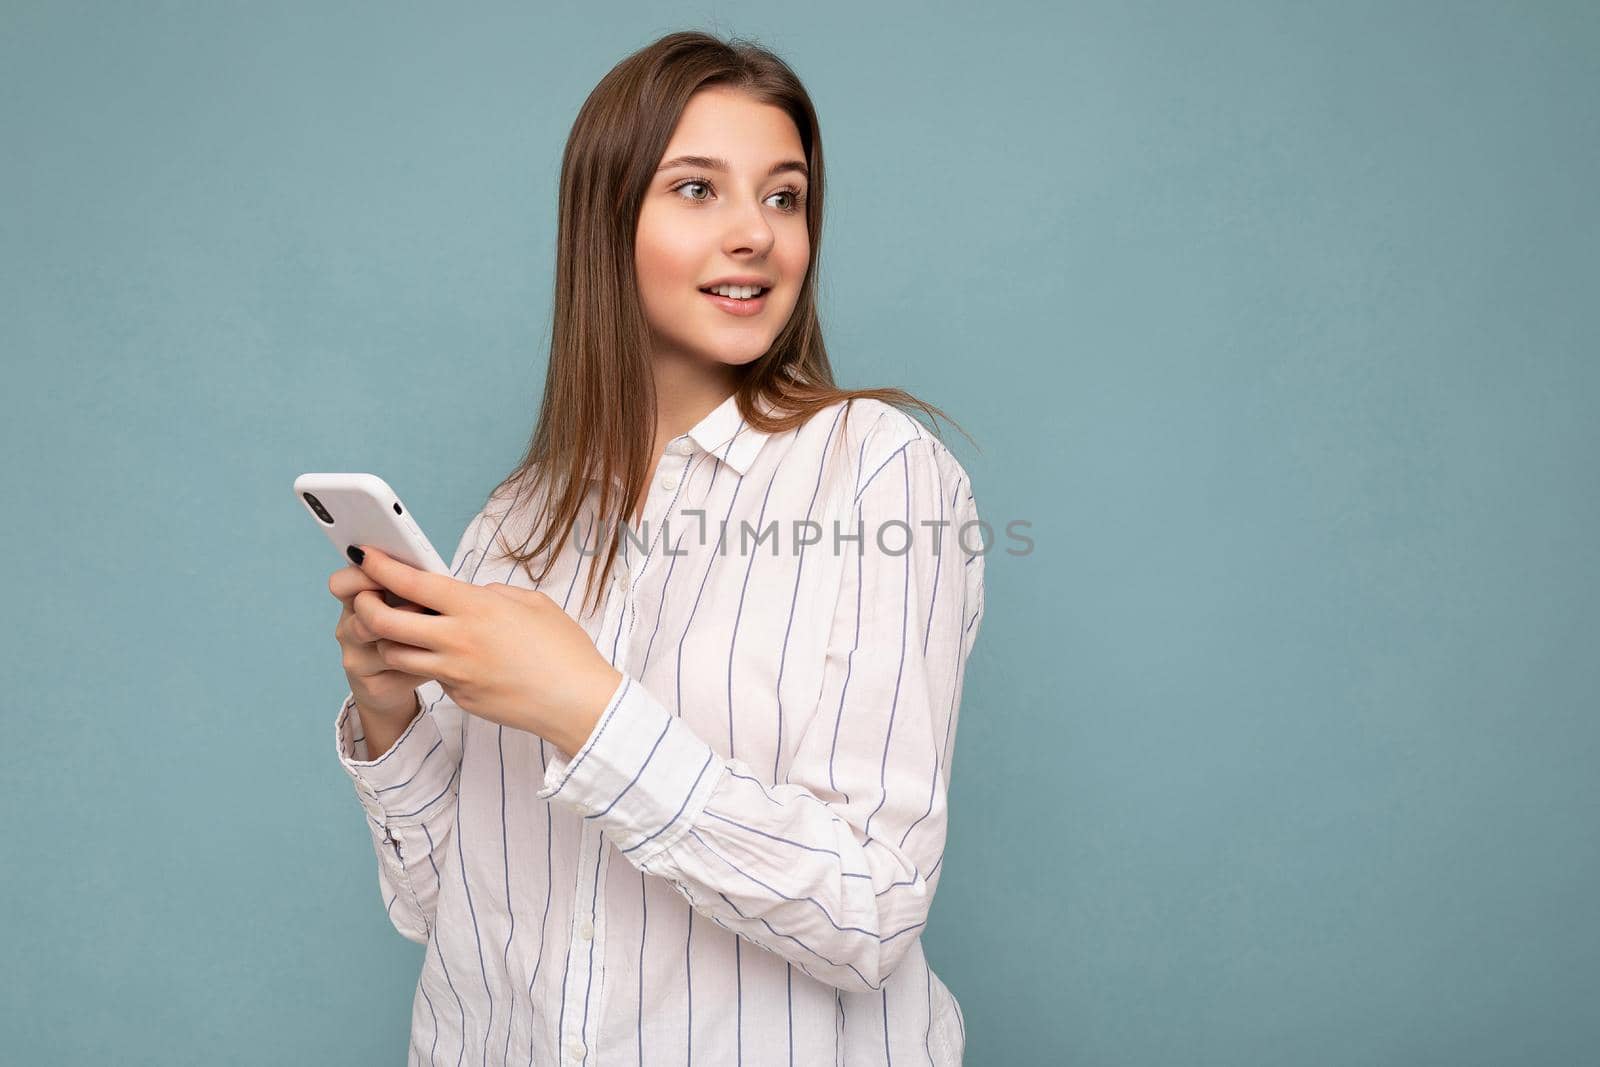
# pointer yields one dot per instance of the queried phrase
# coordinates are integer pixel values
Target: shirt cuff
(643, 775)
(401, 786)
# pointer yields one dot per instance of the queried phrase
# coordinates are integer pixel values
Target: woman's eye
(796, 198)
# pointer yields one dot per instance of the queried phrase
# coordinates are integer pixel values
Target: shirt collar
(725, 434)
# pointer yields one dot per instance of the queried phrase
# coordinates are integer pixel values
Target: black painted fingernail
(355, 554)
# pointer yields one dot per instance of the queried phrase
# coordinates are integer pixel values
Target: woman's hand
(378, 689)
(503, 653)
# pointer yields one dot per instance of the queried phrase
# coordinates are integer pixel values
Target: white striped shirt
(737, 866)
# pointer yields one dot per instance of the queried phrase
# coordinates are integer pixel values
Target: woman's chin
(732, 355)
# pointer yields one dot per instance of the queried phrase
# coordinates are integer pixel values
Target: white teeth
(738, 292)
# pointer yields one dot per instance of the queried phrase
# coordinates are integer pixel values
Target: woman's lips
(752, 306)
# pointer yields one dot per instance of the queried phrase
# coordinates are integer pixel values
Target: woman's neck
(685, 394)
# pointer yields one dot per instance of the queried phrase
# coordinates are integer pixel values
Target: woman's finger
(359, 633)
(354, 629)
(358, 629)
(363, 661)
(409, 626)
(346, 582)
(408, 658)
(400, 603)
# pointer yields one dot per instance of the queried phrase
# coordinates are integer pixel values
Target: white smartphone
(361, 509)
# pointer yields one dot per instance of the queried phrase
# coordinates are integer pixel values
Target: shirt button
(683, 447)
(586, 929)
(669, 481)
(575, 1048)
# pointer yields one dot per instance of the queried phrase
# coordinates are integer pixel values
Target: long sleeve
(409, 793)
(834, 868)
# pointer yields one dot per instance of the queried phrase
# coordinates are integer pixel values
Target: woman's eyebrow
(721, 165)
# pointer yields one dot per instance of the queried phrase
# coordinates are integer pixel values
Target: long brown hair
(598, 417)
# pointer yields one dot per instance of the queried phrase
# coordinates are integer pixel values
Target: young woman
(693, 812)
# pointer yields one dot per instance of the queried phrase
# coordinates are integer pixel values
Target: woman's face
(739, 217)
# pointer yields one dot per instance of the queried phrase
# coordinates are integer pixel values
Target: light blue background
(1276, 321)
